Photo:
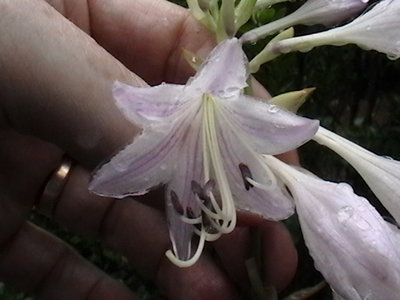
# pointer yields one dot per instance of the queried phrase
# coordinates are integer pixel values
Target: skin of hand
(58, 60)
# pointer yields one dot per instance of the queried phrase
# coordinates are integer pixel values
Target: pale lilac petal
(273, 203)
(269, 128)
(351, 244)
(224, 73)
(146, 163)
(141, 104)
(189, 167)
(382, 174)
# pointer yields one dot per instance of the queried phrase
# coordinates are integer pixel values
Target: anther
(200, 192)
(209, 186)
(175, 203)
(208, 226)
(190, 213)
(245, 171)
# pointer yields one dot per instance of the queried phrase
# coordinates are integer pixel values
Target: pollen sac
(190, 214)
(245, 171)
(209, 186)
(208, 225)
(202, 192)
(175, 203)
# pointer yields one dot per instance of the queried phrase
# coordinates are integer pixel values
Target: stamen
(175, 203)
(187, 263)
(192, 221)
(209, 186)
(209, 237)
(199, 191)
(190, 213)
(208, 225)
(227, 203)
(246, 174)
(260, 185)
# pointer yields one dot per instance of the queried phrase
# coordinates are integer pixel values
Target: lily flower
(382, 174)
(203, 141)
(325, 12)
(377, 29)
(353, 247)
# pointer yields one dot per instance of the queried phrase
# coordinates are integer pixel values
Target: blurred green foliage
(357, 95)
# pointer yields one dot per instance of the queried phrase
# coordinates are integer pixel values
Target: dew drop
(305, 49)
(345, 187)
(363, 224)
(273, 108)
(163, 167)
(279, 126)
(345, 213)
(120, 167)
(392, 56)
(231, 90)
(388, 157)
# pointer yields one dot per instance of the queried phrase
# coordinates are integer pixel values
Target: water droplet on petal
(279, 126)
(392, 56)
(388, 157)
(345, 213)
(163, 167)
(345, 187)
(120, 167)
(363, 224)
(273, 108)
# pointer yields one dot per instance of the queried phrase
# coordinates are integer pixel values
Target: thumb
(55, 83)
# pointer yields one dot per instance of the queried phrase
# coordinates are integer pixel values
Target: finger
(40, 264)
(140, 233)
(157, 28)
(146, 35)
(56, 83)
(29, 258)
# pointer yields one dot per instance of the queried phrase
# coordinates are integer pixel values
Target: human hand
(55, 85)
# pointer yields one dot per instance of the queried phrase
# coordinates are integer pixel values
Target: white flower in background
(382, 174)
(203, 140)
(325, 12)
(377, 29)
(352, 246)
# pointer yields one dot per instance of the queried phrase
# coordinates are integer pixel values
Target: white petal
(377, 29)
(272, 203)
(381, 174)
(326, 12)
(224, 73)
(352, 246)
(269, 128)
(141, 104)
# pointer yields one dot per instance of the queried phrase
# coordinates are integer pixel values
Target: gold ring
(52, 191)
